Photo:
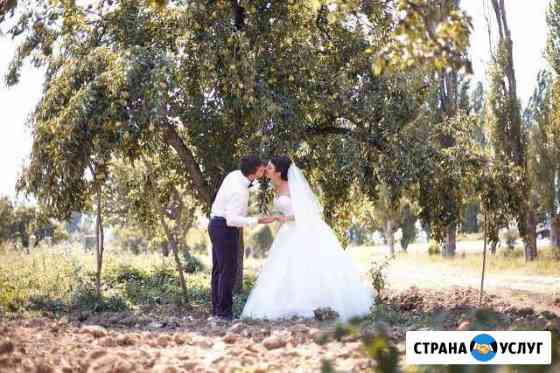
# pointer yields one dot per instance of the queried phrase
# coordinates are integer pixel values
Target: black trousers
(225, 249)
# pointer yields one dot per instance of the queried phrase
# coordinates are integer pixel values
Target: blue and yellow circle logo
(483, 347)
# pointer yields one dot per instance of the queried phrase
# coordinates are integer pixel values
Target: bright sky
(526, 20)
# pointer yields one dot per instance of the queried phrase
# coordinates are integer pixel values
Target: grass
(505, 261)
(53, 280)
(58, 281)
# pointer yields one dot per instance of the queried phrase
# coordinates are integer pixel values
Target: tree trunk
(555, 231)
(389, 236)
(99, 247)
(172, 138)
(493, 246)
(239, 275)
(165, 248)
(450, 243)
(404, 246)
(172, 240)
(530, 239)
(180, 270)
(483, 262)
(30, 244)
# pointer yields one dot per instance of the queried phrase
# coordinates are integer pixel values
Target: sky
(526, 21)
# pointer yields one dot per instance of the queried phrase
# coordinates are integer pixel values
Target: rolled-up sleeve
(235, 216)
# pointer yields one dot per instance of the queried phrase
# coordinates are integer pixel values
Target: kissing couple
(306, 267)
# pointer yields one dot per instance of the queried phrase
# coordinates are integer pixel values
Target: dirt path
(538, 292)
(541, 292)
(415, 269)
(406, 274)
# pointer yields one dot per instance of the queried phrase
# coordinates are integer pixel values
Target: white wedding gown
(306, 269)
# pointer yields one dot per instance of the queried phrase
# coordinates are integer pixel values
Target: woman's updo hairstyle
(282, 163)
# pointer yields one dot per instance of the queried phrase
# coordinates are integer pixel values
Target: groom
(228, 215)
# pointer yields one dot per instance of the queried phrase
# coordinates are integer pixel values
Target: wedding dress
(306, 267)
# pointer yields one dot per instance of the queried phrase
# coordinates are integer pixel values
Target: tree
(453, 178)
(27, 224)
(550, 129)
(543, 150)
(408, 224)
(386, 215)
(447, 107)
(471, 216)
(6, 219)
(386, 210)
(507, 135)
(213, 81)
(147, 195)
(451, 99)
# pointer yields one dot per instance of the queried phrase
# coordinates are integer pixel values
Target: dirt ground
(163, 340)
(537, 291)
(175, 345)
(149, 342)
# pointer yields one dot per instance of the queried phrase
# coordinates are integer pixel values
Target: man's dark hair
(249, 164)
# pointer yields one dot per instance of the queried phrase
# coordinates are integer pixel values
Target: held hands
(266, 219)
(271, 219)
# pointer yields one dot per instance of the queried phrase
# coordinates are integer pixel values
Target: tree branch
(6, 6)
(172, 138)
(238, 14)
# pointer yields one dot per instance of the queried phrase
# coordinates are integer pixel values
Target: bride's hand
(266, 219)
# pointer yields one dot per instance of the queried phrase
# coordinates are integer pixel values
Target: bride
(306, 267)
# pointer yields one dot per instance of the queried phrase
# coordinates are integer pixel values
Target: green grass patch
(505, 260)
(51, 280)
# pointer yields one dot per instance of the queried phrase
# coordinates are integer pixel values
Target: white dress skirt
(307, 269)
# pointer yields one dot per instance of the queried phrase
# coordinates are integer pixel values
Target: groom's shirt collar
(244, 179)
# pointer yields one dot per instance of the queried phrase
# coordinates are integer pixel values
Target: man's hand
(266, 219)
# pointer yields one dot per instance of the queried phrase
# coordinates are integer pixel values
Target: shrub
(408, 226)
(123, 273)
(162, 274)
(378, 276)
(191, 264)
(43, 302)
(85, 299)
(510, 236)
(53, 281)
(200, 247)
(434, 248)
(260, 241)
(131, 239)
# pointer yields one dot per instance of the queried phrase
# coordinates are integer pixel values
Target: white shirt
(232, 201)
